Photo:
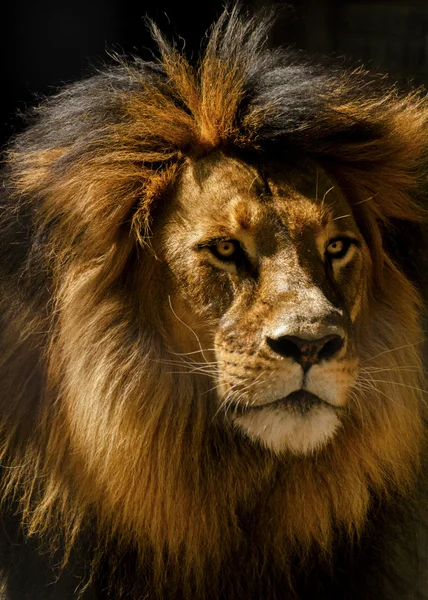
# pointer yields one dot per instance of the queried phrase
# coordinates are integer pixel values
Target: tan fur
(129, 433)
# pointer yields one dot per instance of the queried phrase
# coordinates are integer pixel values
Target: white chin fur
(283, 430)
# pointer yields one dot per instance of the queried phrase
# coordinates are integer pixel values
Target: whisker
(188, 373)
(357, 399)
(234, 399)
(193, 352)
(316, 184)
(366, 200)
(189, 367)
(215, 387)
(410, 387)
(406, 369)
(187, 326)
(370, 386)
(397, 348)
(341, 217)
(325, 195)
(227, 399)
(167, 361)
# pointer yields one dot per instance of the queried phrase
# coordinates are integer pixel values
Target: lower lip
(301, 400)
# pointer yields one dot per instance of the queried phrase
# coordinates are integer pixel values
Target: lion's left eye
(338, 248)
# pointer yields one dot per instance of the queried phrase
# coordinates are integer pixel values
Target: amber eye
(226, 249)
(338, 248)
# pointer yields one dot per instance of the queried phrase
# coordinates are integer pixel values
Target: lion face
(272, 273)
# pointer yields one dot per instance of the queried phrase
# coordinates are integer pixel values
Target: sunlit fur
(95, 425)
(282, 219)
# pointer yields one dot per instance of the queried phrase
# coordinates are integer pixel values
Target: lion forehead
(221, 195)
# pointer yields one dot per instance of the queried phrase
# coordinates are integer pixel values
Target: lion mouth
(300, 401)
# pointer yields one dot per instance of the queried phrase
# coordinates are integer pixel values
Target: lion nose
(306, 352)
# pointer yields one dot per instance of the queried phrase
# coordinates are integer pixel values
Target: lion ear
(85, 204)
(388, 173)
(82, 203)
(384, 176)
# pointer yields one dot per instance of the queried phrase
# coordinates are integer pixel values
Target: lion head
(207, 352)
(267, 295)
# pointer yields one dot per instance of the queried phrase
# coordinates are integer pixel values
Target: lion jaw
(281, 429)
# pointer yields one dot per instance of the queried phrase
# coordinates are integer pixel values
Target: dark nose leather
(306, 352)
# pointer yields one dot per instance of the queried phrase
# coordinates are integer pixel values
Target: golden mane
(94, 426)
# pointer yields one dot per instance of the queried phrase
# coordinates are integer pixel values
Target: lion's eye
(338, 248)
(225, 250)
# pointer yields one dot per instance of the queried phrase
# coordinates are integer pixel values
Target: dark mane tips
(114, 141)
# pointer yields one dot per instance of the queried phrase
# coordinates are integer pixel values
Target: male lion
(211, 384)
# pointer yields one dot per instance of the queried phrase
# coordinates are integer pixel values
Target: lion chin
(285, 428)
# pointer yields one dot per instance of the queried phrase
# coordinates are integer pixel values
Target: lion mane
(115, 472)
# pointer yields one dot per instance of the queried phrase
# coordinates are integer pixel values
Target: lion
(212, 383)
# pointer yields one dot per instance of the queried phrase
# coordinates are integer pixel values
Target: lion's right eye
(225, 250)
(228, 251)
